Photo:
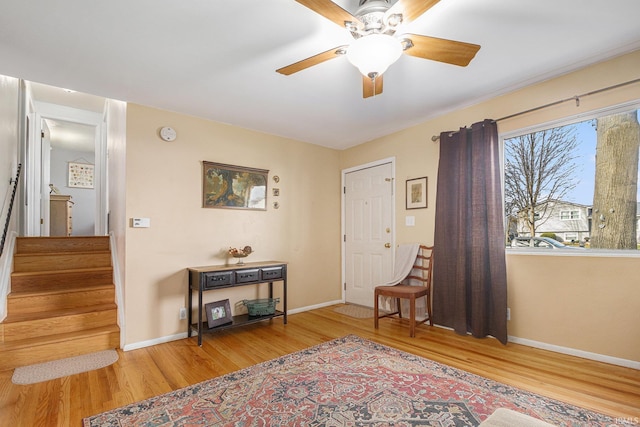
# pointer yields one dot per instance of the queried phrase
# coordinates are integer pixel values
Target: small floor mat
(64, 367)
(356, 311)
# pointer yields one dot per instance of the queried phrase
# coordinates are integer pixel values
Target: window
(570, 237)
(576, 181)
(566, 215)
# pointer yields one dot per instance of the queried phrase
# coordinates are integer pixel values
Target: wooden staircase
(62, 301)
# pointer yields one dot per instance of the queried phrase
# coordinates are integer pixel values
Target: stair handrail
(13, 197)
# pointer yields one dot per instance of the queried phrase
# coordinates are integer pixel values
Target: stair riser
(12, 359)
(26, 245)
(51, 262)
(59, 301)
(68, 280)
(58, 325)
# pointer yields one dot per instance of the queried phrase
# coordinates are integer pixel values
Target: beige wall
(587, 303)
(595, 305)
(164, 183)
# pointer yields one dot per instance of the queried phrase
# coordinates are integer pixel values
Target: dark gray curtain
(469, 275)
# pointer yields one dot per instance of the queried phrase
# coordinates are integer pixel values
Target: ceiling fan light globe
(374, 53)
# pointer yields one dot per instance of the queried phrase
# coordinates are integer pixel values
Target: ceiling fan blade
(411, 9)
(331, 11)
(313, 60)
(371, 87)
(443, 50)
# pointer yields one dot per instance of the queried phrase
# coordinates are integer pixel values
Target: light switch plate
(410, 221)
(141, 222)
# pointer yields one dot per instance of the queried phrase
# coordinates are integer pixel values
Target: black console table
(215, 277)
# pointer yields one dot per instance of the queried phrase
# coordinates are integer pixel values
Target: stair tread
(58, 290)
(57, 252)
(22, 317)
(67, 271)
(26, 245)
(50, 339)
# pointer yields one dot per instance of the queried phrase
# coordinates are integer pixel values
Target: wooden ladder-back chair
(421, 271)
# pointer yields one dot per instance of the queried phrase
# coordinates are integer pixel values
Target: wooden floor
(140, 374)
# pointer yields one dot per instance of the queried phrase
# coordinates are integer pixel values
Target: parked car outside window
(538, 243)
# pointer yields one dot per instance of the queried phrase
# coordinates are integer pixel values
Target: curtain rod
(575, 98)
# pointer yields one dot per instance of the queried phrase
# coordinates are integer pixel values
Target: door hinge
(41, 221)
(344, 238)
(344, 190)
(345, 286)
(41, 134)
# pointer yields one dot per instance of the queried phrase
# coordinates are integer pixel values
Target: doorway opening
(66, 163)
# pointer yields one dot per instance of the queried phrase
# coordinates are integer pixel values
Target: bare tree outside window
(538, 167)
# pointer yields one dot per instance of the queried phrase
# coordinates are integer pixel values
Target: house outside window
(566, 221)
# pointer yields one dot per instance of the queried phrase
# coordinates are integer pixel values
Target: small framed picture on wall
(417, 193)
(80, 175)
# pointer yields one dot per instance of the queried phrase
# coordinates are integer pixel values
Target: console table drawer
(272, 273)
(213, 280)
(244, 276)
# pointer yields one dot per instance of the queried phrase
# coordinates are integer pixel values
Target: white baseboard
(523, 341)
(155, 341)
(313, 307)
(570, 351)
(578, 353)
(169, 338)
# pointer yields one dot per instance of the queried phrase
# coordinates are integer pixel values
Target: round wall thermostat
(167, 133)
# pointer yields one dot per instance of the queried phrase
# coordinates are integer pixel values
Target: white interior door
(369, 231)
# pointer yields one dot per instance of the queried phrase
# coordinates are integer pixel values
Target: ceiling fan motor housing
(373, 16)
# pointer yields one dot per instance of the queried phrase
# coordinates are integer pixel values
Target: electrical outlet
(508, 314)
(183, 313)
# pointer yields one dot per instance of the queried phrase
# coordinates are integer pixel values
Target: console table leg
(284, 293)
(189, 311)
(199, 320)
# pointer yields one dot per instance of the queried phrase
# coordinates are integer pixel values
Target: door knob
(387, 245)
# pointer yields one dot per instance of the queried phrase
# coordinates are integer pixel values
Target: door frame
(343, 208)
(43, 110)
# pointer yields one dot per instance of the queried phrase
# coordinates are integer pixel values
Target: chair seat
(401, 291)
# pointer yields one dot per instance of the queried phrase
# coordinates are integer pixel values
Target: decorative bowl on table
(240, 253)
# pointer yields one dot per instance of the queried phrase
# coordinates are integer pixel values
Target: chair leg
(429, 309)
(412, 316)
(375, 310)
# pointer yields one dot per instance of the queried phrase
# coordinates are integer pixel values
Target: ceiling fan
(376, 45)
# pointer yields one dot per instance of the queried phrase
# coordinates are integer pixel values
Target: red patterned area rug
(345, 382)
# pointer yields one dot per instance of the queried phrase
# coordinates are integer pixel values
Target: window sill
(598, 253)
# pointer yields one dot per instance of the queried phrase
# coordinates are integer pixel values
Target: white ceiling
(217, 59)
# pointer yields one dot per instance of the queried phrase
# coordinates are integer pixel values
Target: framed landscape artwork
(417, 193)
(233, 187)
